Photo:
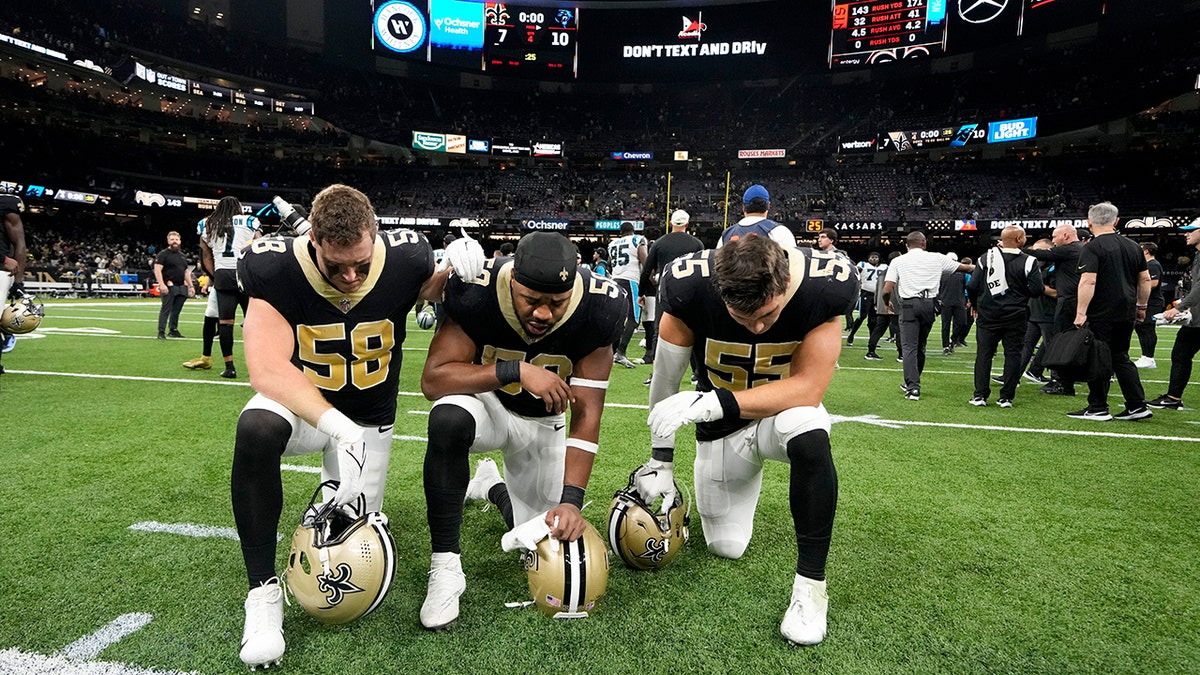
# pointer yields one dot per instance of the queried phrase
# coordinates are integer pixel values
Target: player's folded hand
(686, 407)
(656, 479)
(465, 255)
(526, 535)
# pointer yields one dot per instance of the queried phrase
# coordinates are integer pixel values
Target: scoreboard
(877, 31)
(535, 41)
(496, 37)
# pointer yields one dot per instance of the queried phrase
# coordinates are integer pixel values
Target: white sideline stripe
(410, 438)
(418, 412)
(16, 661)
(89, 646)
(136, 378)
(300, 469)
(878, 421)
(191, 530)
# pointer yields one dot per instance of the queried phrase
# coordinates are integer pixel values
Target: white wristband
(337, 425)
(586, 446)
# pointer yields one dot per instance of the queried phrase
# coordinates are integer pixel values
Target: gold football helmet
(567, 579)
(644, 539)
(341, 564)
(21, 316)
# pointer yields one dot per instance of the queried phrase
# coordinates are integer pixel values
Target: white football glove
(465, 255)
(654, 479)
(351, 454)
(526, 535)
(686, 407)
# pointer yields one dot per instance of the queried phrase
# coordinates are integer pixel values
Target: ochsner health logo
(693, 29)
(400, 26)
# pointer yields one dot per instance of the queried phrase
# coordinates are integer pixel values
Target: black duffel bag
(1077, 355)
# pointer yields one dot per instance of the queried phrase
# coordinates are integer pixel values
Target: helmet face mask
(644, 539)
(21, 316)
(567, 579)
(341, 564)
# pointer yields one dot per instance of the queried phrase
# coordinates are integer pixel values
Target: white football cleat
(1145, 362)
(805, 620)
(486, 475)
(446, 583)
(262, 637)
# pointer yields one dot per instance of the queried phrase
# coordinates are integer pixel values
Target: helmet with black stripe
(642, 538)
(567, 579)
(341, 563)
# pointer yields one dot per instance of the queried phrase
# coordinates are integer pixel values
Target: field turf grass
(967, 540)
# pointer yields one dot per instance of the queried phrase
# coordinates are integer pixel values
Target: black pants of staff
(916, 320)
(172, 305)
(954, 323)
(1116, 336)
(880, 325)
(1187, 343)
(988, 336)
(1035, 330)
(1147, 331)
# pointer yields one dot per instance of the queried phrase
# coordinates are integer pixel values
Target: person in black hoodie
(1000, 288)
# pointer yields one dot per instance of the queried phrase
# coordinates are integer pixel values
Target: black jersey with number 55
(484, 308)
(347, 344)
(822, 286)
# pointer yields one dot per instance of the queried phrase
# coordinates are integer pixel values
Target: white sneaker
(638, 361)
(446, 583)
(1145, 362)
(486, 475)
(262, 638)
(805, 620)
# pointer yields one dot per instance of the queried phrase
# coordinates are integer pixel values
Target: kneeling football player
(527, 339)
(765, 322)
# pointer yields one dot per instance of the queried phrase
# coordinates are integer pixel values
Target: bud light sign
(1012, 130)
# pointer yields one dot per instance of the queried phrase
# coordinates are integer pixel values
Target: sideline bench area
(62, 289)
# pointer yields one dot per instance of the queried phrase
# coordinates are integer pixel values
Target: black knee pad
(261, 434)
(809, 448)
(451, 430)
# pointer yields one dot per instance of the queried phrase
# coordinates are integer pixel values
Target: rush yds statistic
(531, 40)
(888, 30)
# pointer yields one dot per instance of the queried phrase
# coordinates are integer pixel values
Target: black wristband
(573, 495)
(729, 404)
(663, 454)
(508, 372)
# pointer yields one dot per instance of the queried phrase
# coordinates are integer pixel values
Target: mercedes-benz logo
(980, 11)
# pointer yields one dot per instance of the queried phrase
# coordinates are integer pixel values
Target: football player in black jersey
(323, 336)
(13, 255)
(527, 339)
(765, 322)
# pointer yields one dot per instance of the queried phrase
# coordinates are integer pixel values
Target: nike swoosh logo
(1081, 267)
(559, 427)
(384, 430)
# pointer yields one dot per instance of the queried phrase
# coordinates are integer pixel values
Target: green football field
(967, 540)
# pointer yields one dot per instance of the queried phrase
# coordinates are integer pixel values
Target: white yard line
(89, 646)
(191, 530)
(17, 661)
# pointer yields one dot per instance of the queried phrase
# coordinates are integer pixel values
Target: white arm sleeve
(670, 362)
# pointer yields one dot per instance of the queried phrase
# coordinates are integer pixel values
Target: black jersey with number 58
(347, 344)
(484, 309)
(822, 286)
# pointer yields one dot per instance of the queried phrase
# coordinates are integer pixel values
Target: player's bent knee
(451, 429)
(795, 421)
(728, 548)
(809, 448)
(261, 432)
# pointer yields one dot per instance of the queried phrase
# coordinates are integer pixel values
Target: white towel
(997, 280)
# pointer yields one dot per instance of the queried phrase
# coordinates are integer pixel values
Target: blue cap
(755, 191)
(1194, 225)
